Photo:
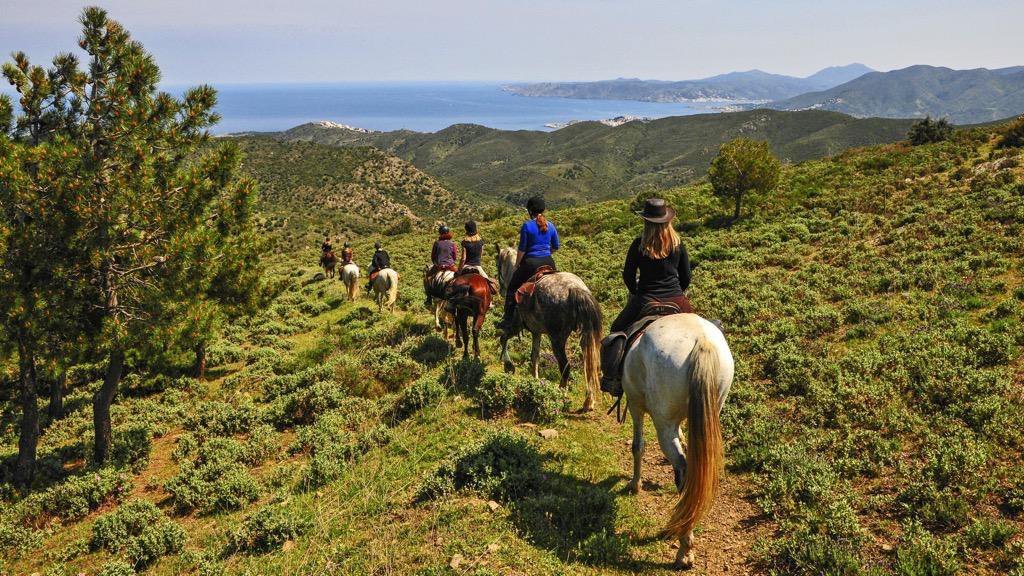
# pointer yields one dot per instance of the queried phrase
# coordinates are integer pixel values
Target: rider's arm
(433, 254)
(556, 243)
(462, 257)
(685, 273)
(630, 267)
(523, 240)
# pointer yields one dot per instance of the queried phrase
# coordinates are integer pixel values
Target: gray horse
(561, 305)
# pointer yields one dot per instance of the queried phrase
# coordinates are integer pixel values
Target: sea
(424, 107)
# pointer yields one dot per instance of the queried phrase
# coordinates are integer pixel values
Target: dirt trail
(726, 537)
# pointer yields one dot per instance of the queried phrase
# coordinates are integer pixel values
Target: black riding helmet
(535, 205)
(442, 229)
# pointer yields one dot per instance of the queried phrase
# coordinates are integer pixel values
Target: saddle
(615, 345)
(467, 270)
(525, 292)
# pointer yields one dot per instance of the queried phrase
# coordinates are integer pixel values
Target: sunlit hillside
(874, 304)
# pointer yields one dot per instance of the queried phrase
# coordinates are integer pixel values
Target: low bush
(78, 495)
(212, 486)
(425, 392)
(502, 466)
(465, 375)
(268, 529)
(216, 418)
(391, 368)
(131, 446)
(921, 554)
(117, 568)
(140, 531)
(988, 533)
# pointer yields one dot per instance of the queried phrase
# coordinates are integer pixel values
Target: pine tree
(161, 215)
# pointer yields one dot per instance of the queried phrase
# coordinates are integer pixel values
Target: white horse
(385, 289)
(681, 368)
(350, 276)
(506, 265)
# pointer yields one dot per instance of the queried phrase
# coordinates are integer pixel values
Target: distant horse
(681, 368)
(562, 304)
(350, 276)
(328, 261)
(385, 289)
(469, 296)
(435, 286)
(506, 265)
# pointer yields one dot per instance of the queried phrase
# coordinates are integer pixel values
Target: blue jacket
(536, 244)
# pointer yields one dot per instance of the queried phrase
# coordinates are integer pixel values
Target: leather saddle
(525, 292)
(616, 345)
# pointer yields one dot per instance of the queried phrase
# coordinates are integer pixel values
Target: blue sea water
(424, 107)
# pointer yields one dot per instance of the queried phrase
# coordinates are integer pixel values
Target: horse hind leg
(637, 446)
(535, 356)
(668, 439)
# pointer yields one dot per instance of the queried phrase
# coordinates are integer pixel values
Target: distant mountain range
(962, 96)
(750, 86)
(591, 161)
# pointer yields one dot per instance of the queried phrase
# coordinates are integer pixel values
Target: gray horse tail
(586, 314)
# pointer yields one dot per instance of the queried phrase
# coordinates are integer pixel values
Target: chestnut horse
(328, 261)
(468, 296)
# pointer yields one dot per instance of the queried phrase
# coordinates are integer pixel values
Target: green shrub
(928, 131)
(139, 530)
(425, 392)
(268, 529)
(220, 418)
(497, 393)
(212, 486)
(391, 368)
(131, 446)
(1013, 136)
(16, 537)
(921, 554)
(78, 495)
(988, 533)
(541, 401)
(503, 466)
(465, 375)
(117, 568)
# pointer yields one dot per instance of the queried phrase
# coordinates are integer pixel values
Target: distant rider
(472, 255)
(381, 260)
(443, 256)
(538, 239)
(664, 275)
(346, 254)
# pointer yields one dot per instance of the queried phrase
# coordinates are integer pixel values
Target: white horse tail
(391, 277)
(704, 441)
(588, 315)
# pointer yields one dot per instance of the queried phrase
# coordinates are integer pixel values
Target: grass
(876, 312)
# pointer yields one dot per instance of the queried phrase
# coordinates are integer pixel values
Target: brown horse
(328, 260)
(562, 304)
(468, 296)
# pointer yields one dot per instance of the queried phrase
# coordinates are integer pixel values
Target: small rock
(886, 547)
(493, 505)
(456, 561)
(548, 433)
(288, 545)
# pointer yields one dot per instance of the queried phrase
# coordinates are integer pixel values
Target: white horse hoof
(684, 562)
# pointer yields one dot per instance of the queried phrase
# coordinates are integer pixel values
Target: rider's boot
(612, 348)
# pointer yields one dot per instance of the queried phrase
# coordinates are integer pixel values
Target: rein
(620, 410)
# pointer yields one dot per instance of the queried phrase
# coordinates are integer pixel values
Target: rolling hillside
(962, 96)
(308, 190)
(874, 305)
(752, 85)
(590, 161)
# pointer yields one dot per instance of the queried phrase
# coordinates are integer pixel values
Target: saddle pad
(525, 291)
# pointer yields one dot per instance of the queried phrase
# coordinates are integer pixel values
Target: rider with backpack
(538, 239)
(661, 260)
(443, 256)
(346, 254)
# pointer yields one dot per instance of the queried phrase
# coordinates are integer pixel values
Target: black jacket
(664, 278)
(381, 260)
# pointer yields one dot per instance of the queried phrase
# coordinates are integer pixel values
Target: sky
(255, 41)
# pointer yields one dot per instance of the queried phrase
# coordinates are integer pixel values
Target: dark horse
(468, 296)
(562, 304)
(328, 260)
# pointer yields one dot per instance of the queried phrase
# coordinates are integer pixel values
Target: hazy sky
(222, 41)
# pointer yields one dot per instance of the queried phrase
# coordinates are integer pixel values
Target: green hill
(590, 161)
(962, 96)
(308, 190)
(874, 305)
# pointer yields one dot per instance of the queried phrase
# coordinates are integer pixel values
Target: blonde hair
(658, 240)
